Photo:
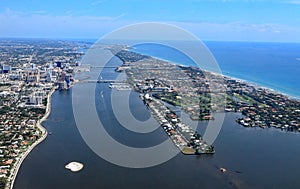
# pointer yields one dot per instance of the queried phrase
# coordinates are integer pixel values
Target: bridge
(103, 66)
(101, 81)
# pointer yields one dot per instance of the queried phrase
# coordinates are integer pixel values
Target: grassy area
(245, 98)
(173, 102)
(2, 183)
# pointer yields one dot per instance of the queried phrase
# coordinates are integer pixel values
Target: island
(31, 70)
(74, 166)
(189, 88)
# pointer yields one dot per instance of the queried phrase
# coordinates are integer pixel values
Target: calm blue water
(272, 65)
(254, 158)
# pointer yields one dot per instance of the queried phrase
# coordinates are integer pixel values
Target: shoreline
(255, 84)
(17, 165)
(261, 106)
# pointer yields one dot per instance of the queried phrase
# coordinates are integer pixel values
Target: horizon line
(95, 40)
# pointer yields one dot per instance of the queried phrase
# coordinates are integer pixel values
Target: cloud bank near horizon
(85, 23)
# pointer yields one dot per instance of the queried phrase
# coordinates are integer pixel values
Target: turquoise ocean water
(272, 65)
(254, 157)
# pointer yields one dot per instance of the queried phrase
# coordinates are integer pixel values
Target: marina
(239, 151)
(235, 152)
(185, 138)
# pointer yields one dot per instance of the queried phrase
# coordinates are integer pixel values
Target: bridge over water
(103, 66)
(101, 81)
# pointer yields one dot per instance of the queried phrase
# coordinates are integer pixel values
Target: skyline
(148, 98)
(219, 20)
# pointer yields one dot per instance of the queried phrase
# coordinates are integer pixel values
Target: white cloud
(294, 2)
(39, 12)
(19, 24)
(95, 3)
(234, 1)
(238, 31)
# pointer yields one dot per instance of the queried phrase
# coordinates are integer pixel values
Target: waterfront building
(62, 85)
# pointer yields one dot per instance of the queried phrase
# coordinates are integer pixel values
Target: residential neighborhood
(29, 72)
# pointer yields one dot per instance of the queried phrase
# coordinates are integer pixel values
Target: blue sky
(237, 20)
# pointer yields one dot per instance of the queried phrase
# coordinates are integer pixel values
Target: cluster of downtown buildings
(29, 71)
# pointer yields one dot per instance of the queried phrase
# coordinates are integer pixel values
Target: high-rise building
(58, 64)
(35, 100)
(6, 68)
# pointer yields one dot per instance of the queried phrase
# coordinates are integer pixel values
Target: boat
(223, 170)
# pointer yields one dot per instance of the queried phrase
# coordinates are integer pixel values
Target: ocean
(272, 65)
(253, 157)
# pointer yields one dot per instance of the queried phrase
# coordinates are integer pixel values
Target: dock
(187, 140)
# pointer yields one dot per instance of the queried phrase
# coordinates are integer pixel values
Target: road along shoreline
(15, 169)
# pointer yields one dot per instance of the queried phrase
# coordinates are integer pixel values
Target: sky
(218, 20)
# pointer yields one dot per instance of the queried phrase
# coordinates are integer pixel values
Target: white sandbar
(74, 166)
